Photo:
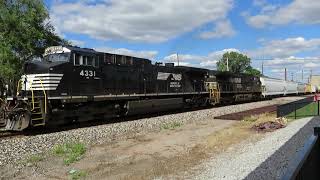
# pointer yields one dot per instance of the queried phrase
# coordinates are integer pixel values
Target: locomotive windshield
(57, 54)
(58, 57)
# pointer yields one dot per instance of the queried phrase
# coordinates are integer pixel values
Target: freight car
(77, 84)
(302, 88)
(291, 88)
(310, 89)
(272, 87)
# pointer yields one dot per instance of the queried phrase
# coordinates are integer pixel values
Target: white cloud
(293, 64)
(297, 11)
(285, 47)
(123, 51)
(286, 53)
(299, 69)
(137, 20)
(77, 43)
(311, 65)
(222, 29)
(184, 57)
(208, 61)
(218, 54)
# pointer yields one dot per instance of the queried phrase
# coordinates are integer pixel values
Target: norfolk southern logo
(165, 76)
(174, 79)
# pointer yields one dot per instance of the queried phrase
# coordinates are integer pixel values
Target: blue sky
(281, 33)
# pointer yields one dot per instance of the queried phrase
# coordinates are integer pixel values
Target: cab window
(82, 60)
(78, 59)
(96, 61)
(108, 59)
(129, 60)
(90, 61)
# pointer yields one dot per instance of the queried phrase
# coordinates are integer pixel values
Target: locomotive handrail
(45, 96)
(44, 93)
(18, 86)
(32, 96)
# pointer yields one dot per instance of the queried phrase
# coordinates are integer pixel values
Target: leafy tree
(25, 30)
(237, 62)
(250, 70)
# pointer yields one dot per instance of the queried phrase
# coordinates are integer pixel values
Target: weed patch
(34, 159)
(71, 152)
(172, 125)
(77, 174)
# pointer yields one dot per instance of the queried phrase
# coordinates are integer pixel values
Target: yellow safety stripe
(32, 96)
(45, 97)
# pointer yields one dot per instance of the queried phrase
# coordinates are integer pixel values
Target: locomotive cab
(47, 73)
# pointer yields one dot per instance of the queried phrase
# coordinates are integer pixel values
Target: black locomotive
(78, 84)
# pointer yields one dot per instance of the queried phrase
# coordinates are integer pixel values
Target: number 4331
(87, 73)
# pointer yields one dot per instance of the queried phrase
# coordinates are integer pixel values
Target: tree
(237, 63)
(25, 30)
(250, 70)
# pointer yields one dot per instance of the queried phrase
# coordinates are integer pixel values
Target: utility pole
(285, 74)
(292, 76)
(227, 64)
(302, 76)
(178, 59)
(262, 68)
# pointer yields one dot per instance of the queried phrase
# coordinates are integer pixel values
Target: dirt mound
(270, 126)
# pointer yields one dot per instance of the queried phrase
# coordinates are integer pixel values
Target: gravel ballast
(13, 150)
(267, 158)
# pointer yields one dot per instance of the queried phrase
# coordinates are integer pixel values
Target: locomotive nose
(35, 68)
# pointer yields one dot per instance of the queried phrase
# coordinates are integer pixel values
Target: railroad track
(47, 130)
(8, 134)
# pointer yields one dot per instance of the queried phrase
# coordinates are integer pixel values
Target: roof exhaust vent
(169, 64)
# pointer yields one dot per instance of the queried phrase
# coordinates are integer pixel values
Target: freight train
(71, 84)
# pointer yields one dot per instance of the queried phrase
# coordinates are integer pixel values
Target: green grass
(172, 125)
(34, 159)
(306, 111)
(77, 174)
(71, 152)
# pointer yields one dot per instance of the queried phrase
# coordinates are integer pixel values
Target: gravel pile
(13, 150)
(265, 159)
